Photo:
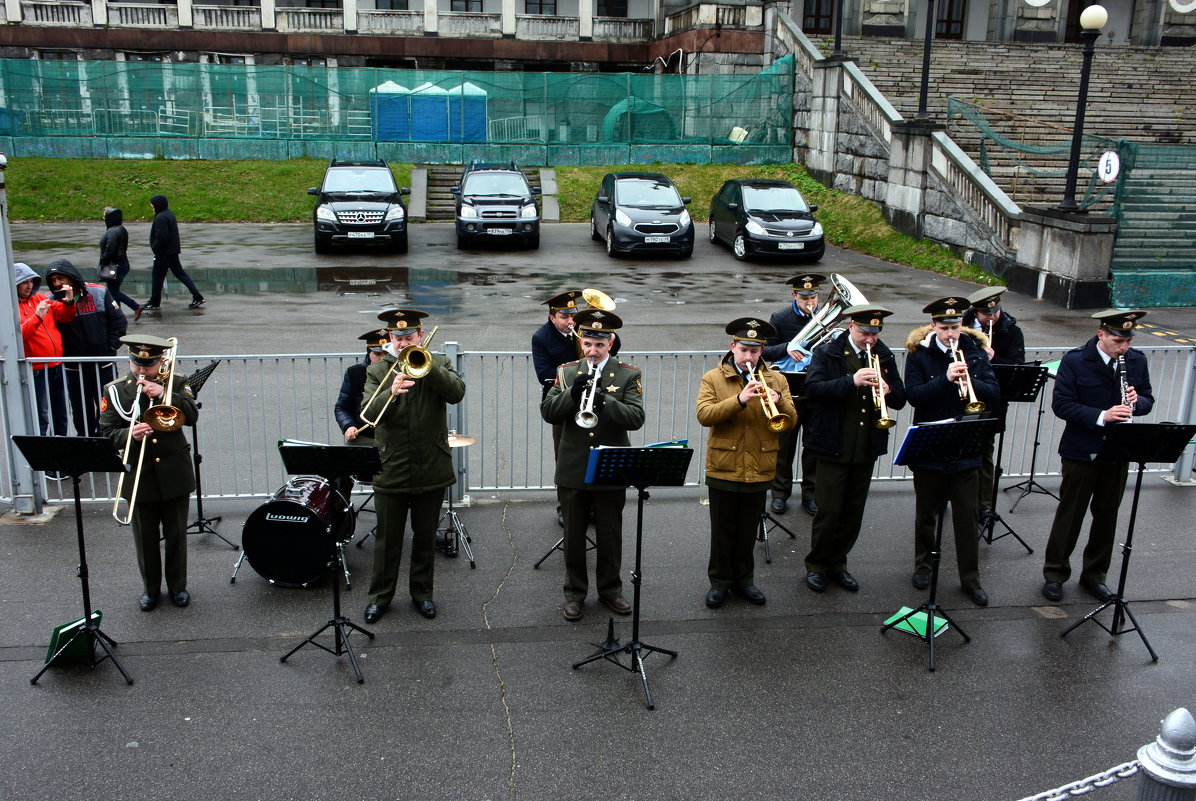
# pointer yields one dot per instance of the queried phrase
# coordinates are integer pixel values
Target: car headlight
(395, 212)
(754, 227)
(528, 212)
(816, 230)
(325, 213)
(684, 219)
(622, 219)
(468, 211)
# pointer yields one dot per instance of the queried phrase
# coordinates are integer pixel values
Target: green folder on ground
(916, 623)
(80, 648)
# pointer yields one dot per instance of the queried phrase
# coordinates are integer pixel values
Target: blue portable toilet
(390, 112)
(467, 113)
(429, 113)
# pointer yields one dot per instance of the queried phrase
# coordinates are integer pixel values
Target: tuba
(824, 324)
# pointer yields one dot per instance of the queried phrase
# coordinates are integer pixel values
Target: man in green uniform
(847, 431)
(412, 440)
(596, 401)
(161, 492)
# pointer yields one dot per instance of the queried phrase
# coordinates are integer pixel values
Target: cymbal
(456, 441)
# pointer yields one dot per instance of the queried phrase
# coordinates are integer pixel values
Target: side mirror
(315, 190)
(813, 209)
(456, 190)
(687, 200)
(732, 207)
(602, 200)
(404, 190)
(535, 190)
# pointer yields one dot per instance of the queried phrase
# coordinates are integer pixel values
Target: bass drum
(286, 540)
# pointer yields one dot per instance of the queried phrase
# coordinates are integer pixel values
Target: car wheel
(533, 242)
(610, 243)
(740, 246)
(686, 252)
(323, 243)
(460, 242)
(597, 237)
(713, 235)
(399, 243)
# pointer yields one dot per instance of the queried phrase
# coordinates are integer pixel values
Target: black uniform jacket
(829, 388)
(166, 469)
(1084, 387)
(348, 402)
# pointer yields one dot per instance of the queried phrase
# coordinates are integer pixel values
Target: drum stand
(768, 523)
(454, 535)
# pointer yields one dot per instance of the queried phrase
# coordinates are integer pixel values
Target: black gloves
(579, 386)
(599, 399)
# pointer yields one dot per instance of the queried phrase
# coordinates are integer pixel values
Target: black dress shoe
(1053, 591)
(846, 581)
(751, 594)
(1098, 591)
(373, 612)
(716, 598)
(180, 598)
(425, 608)
(816, 581)
(976, 595)
(148, 602)
(573, 611)
(779, 505)
(810, 506)
(921, 581)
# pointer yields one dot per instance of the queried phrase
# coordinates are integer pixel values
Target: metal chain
(1088, 785)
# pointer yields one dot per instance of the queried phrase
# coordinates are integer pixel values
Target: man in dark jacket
(1089, 396)
(934, 381)
(348, 402)
(417, 466)
(96, 331)
(846, 431)
(114, 252)
(164, 242)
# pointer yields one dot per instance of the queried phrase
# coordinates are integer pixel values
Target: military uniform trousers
(931, 488)
(984, 484)
(782, 485)
(734, 521)
(1085, 483)
(841, 494)
(392, 509)
(606, 506)
(169, 517)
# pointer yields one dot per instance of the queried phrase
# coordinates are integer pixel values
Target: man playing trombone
(746, 406)
(405, 402)
(854, 390)
(595, 401)
(158, 490)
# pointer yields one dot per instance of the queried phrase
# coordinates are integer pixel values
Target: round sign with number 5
(1108, 167)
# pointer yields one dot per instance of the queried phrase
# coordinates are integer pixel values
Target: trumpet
(586, 417)
(414, 361)
(163, 414)
(878, 393)
(776, 420)
(967, 393)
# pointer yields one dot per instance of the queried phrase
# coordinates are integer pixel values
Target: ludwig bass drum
(287, 540)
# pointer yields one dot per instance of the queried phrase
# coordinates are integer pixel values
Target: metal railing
(252, 401)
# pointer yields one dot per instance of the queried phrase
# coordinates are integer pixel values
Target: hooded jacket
(114, 244)
(40, 334)
(164, 231)
(98, 324)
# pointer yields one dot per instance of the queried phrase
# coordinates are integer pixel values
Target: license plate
(656, 240)
(499, 231)
(362, 282)
(361, 234)
(791, 245)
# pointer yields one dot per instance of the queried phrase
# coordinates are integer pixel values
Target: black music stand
(1020, 383)
(939, 442)
(76, 456)
(641, 468)
(1030, 485)
(1141, 443)
(332, 462)
(202, 525)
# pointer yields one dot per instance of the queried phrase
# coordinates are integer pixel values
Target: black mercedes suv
(496, 201)
(359, 201)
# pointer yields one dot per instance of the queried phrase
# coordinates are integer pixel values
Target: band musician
(847, 429)
(945, 370)
(554, 343)
(167, 477)
(411, 434)
(348, 402)
(780, 350)
(746, 406)
(1104, 382)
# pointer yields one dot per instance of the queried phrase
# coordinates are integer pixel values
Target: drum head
(287, 543)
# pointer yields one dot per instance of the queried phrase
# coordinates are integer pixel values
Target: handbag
(107, 272)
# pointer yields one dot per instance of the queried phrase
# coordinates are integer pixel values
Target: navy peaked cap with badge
(807, 283)
(946, 310)
(402, 320)
(750, 330)
(987, 299)
(375, 340)
(1119, 321)
(564, 303)
(868, 317)
(596, 323)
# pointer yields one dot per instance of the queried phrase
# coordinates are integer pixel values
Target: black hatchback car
(496, 201)
(758, 216)
(638, 212)
(359, 201)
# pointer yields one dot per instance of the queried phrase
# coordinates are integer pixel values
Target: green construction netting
(222, 101)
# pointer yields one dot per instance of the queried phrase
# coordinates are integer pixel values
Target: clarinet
(1125, 390)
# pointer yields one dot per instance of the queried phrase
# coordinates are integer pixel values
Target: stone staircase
(441, 203)
(1157, 219)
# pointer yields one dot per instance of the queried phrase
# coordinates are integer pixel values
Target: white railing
(873, 106)
(546, 28)
(237, 18)
(976, 190)
(726, 15)
(66, 12)
(621, 29)
(796, 42)
(310, 19)
(130, 15)
(518, 129)
(466, 24)
(404, 23)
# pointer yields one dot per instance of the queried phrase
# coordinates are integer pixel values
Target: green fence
(147, 110)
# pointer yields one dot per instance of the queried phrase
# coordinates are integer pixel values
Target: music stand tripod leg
(992, 517)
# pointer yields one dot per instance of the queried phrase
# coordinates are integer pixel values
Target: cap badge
(400, 324)
(598, 315)
(597, 326)
(952, 301)
(808, 285)
(751, 333)
(1128, 324)
(753, 324)
(143, 353)
(570, 305)
(950, 311)
(874, 321)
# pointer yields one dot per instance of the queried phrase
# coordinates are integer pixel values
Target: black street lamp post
(1091, 21)
(838, 30)
(922, 116)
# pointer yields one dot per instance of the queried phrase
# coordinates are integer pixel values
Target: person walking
(114, 258)
(164, 242)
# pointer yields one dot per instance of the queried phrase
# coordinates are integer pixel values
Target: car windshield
(495, 183)
(359, 179)
(647, 193)
(773, 198)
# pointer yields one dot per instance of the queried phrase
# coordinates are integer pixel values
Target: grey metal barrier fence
(250, 402)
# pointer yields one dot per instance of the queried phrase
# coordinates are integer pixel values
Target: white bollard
(1168, 765)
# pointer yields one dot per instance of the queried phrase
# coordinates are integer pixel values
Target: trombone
(162, 417)
(414, 361)
(878, 393)
(586, 417)
(776, 420)
(967, 393)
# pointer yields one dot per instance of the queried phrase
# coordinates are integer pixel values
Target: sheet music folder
(329, 461)
(665, 463)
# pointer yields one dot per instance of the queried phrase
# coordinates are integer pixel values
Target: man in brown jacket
(741, 454)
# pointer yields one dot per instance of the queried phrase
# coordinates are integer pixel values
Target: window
(57, 55)
(540, 7)
(309, 61)
(466, 5)
(819, 16)
(611, 8)
(156, 58)
(391, 5)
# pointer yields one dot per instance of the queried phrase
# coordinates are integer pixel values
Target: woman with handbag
(114, 259)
